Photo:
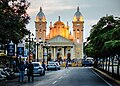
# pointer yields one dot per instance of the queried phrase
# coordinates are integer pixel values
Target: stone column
(54, 52)
(63, 53)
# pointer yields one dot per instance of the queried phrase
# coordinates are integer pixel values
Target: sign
(11, 50)
(20, 51)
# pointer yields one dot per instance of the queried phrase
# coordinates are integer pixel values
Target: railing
(110, 65)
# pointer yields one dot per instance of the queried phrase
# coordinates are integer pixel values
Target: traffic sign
(20, 51)
(11, 50)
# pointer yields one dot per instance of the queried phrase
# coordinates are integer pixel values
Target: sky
(92, 11)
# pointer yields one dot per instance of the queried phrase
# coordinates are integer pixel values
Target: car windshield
(36, 65)
(51, 63)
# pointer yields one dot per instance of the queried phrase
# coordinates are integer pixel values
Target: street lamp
(29, 40)
(38, 42)
(46, 45)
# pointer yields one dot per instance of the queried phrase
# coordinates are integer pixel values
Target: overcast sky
(92, 11)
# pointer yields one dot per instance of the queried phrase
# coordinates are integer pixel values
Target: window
(78, 24)
(40, 30)
(78, 31)
(78, 41)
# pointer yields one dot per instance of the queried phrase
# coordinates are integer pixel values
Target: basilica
(61, 42)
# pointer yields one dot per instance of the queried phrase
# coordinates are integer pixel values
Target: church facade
(61, 43)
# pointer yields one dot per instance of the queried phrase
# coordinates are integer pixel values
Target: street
(72, 76)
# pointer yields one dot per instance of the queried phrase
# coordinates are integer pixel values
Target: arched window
(78, 40)
(78, 31)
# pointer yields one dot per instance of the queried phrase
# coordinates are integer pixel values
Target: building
(63, 44)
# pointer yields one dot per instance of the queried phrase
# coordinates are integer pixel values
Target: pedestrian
(43, 65)
(76, 64)
(21, 68)
(30, 72)
(66, 66)
(14, 66)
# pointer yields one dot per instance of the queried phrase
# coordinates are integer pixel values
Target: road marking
(61, 77)
(54, 82)
(102, 78)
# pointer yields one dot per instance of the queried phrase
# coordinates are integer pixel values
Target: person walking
(14, 66)
(66, 64)
(43, 65)
(30, 72)
(21, 67)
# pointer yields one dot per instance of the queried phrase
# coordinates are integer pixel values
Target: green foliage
(13, 20)
(113, 46)
(104, 37)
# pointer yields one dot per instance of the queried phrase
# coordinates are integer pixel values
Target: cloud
(52, 6)
(91, 22)
(31, 10)
(92, 10)
(88, 26)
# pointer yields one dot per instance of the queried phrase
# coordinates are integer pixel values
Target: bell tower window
(40, 30)
(78, 41)
(78, 31)
(78, 24)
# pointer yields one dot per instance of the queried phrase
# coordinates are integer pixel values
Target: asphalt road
(74, 76)
(71, 77)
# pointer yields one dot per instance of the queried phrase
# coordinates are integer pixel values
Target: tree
(13, 21)
(104, 40)
(105, 30)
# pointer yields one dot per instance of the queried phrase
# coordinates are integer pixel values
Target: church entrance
(59, 58)
(49, 57)
(69, 57)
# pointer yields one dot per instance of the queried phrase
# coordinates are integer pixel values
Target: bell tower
(40, 25)
(78, 33)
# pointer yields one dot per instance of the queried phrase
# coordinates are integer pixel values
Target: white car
(38, 69)
(53, 65)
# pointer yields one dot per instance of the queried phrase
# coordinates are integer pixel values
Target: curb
(108, 76)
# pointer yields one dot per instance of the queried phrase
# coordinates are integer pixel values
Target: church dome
(40, 16)
(59, 22)
(78, 16)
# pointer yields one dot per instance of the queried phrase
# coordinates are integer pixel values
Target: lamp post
(38, 42)
(29, 46)
(47, 47)
(29, 40)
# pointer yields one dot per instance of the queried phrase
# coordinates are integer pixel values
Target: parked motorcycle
(8, 73)
(2, 77)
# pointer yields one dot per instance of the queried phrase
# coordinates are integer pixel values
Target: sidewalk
(13, 82)
(107, 76)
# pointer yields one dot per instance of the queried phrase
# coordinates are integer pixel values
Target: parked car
(53, 65)
(87, 63)
(38, 69)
